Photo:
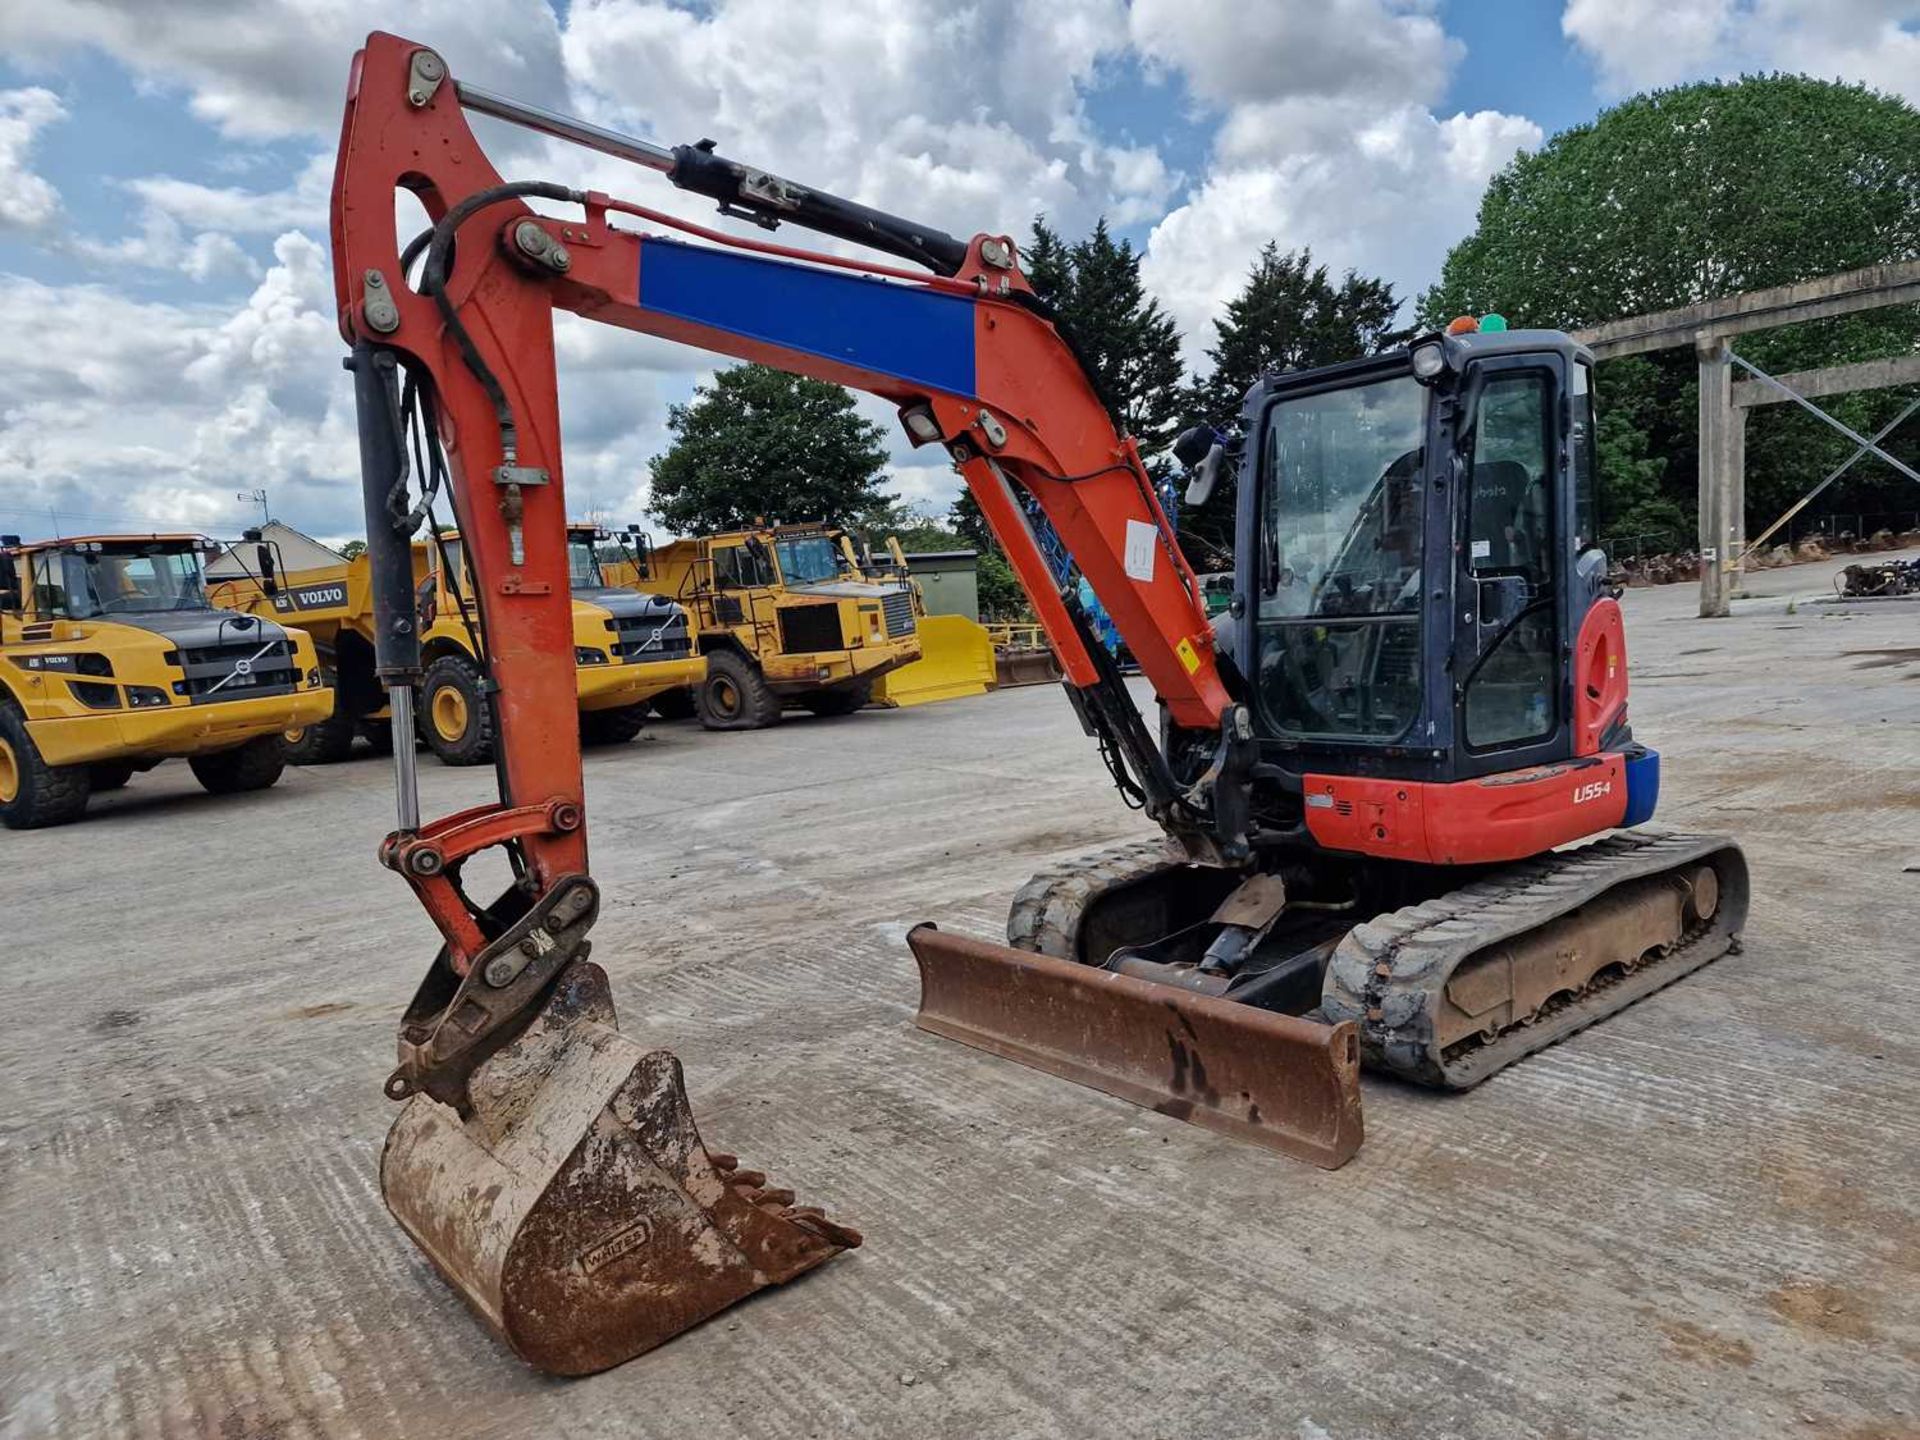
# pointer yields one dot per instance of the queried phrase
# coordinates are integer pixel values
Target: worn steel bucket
(1289, 1084)
(576, 1208)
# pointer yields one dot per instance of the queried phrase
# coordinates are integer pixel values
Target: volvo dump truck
(1396, 784)
(628, 647)
(787, 616)
(112, 660)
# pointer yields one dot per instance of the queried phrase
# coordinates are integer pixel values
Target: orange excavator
(1368, 770)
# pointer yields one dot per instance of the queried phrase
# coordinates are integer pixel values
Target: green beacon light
(1493, 324)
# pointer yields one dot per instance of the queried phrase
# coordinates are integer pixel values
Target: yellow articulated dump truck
(786, 615)
(112, 660)
(628, 647)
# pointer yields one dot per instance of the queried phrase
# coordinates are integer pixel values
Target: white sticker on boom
(1143, 540)
(1482, 549)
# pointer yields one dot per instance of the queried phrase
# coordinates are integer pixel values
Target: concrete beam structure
(1724, 406)
(1717, 483)
(1751, 310)
(1834, 380)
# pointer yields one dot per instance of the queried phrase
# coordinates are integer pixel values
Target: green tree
(1684, 195)
(1132, 348)
(1290, 315)
(353, 549)
(1129, 343)
(1640, 517)
(760, 442)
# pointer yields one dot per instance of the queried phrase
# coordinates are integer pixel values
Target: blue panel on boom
(876, 325)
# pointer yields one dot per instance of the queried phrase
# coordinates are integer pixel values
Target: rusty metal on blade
(1275, 1080)
(576, 1209)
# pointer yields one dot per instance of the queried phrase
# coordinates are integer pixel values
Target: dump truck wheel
(326, 742)
(612, 727)
(674, 704)
(33, 793)
(455, 720)
(734, 696)
(108, 777)
(842, 700)
(252, 766)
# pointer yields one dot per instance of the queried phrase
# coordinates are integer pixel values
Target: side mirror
(1206, 476)
(1191, 445)
(269, 581)
(1201, 450)
(9, 584)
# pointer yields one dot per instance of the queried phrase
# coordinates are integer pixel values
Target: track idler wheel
(576, 1209)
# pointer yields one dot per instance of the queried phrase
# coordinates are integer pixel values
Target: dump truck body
(112, 660)
(628, 647)
(786, 616)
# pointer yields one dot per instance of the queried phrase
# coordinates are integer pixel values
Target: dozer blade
(1276, 1080)
(576, 1208)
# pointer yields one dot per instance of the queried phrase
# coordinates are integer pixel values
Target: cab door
(1514, 547)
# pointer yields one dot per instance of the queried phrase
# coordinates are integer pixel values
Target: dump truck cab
(788, 614)
(628, 647)
(112, 659)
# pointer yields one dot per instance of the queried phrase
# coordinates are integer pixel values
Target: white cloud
(265, 68)
(1638, 44)
(968, 117)
(1233, 52)
(1327, 139)
(150, 412)
(28, 202)
(236, 210)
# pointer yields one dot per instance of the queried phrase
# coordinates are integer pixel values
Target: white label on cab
(1482, 549)
(1142, 541)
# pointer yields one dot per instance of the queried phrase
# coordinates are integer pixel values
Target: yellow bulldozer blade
(956, 660)
(575, 1207)
(1289, 1084)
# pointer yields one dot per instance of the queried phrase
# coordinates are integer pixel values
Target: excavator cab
(1417, 562)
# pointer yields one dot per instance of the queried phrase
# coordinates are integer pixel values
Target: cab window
(1511, 696)
(738, 567)
(1342, 501)
(1586, 519)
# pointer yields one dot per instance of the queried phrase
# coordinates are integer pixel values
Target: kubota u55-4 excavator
(1364, 772)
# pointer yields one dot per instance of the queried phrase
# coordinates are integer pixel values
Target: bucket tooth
(576, 1209)
(1276, 1080)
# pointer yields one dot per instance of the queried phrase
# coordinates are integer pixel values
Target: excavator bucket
(1289, 1084)
(575, 1207)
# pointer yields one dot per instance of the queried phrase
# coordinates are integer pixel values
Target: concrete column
(1737, 495)
(1716, 424)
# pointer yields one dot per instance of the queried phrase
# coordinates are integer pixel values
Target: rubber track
(1421, 945)
(1047, 910)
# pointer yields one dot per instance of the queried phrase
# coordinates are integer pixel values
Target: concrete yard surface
(1701, 1218)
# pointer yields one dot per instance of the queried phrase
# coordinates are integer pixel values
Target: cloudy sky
(164, 171)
